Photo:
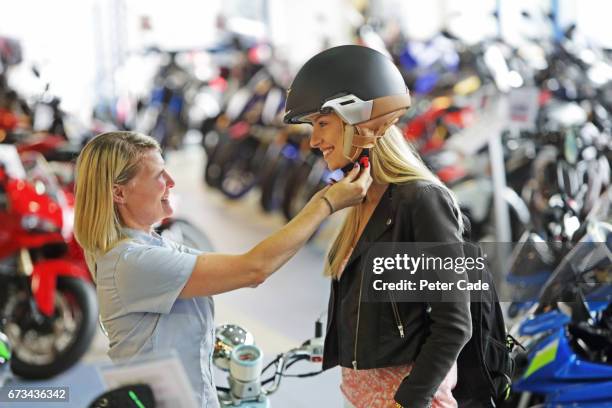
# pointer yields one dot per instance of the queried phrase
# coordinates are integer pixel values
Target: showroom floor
(280, 313)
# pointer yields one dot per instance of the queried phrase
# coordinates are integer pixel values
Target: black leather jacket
(365, 335)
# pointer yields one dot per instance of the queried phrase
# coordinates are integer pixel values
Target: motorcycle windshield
(587, 268)
(40, 173)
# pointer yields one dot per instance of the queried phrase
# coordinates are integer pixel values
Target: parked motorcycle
(48, 306)
(567, 339)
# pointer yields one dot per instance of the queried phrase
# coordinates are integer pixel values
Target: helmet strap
(359, 139)
(349, 150)
(365, 135)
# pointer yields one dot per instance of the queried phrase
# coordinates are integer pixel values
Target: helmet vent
(347, 102)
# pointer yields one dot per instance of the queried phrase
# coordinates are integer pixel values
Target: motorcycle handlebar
(310, 350)
(285, 361)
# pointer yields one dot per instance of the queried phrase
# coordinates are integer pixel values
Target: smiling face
(327, 136)
(143, 201)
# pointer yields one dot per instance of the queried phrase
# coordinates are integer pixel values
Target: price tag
(523, 106)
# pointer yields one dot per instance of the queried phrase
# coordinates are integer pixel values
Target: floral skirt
(376, 388)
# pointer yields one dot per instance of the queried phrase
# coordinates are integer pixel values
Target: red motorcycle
(428, 132)
(48, 305)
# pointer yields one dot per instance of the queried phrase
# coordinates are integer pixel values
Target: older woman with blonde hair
(155, 295)
(392, 354)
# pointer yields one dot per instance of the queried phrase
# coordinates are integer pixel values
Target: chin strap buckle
(363, 160)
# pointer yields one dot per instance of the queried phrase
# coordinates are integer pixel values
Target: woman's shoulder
(119, 250)
(434, 214)
(419, 191)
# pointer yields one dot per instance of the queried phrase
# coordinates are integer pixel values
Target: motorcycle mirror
(227, 338)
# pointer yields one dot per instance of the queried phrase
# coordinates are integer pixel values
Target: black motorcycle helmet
(361, 85)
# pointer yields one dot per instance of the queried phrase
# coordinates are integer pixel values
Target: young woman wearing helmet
(353, 96)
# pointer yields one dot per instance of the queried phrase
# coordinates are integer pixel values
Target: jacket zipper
(357, 329)
(331, 314)
(398, 320)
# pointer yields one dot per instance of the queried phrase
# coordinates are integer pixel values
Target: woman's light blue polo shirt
(138, 284)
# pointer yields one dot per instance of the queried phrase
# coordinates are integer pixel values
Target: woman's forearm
(216, 273)
(274, 251)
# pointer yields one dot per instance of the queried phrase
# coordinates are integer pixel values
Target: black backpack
(485, 366)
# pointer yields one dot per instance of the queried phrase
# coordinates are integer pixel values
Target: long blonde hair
(108, 159)
(394, 161)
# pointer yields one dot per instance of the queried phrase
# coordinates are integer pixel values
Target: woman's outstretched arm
(218, 273)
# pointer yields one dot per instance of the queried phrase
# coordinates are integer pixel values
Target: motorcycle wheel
(273, 183)
(303, 182)
(297, 192)
(42, 350)
(218, 164)
(185, 233)
(240, 174)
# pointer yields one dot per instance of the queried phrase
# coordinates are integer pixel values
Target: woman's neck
(375, 192)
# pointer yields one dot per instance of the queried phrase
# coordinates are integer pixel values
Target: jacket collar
(381, 220)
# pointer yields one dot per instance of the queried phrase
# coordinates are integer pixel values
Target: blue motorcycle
(566, 359)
